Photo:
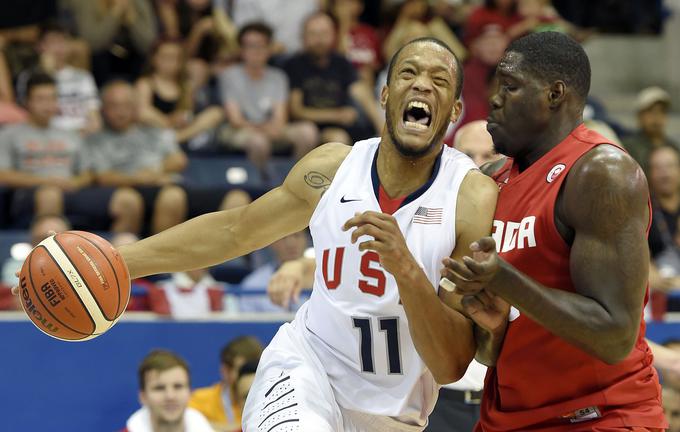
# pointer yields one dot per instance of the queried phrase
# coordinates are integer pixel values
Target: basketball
(74, 286)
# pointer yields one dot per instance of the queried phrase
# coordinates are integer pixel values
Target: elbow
(453, 372)
(619, 345)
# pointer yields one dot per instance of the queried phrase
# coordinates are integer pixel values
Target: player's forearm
(579, 320)
(488, 345)
(442, 336)
(200, 242)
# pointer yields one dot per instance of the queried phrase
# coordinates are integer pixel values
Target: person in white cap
(652, 107)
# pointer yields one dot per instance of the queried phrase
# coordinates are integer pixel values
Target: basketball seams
(105, 322)
(115, 274)
(37, 295)
(87, 285)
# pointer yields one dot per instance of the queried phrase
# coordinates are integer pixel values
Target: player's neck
(401, 176)
(549, 139)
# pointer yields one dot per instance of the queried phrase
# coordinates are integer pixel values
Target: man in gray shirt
(255, 97)
(126, 154)
(50, 169)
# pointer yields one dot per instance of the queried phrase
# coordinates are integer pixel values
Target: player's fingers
(354, 221)
(368, 230)
(471, 305)
(15, 290)
(457, 267)
(462, 286)
(477, 267)
(372, 245)
(485, 244)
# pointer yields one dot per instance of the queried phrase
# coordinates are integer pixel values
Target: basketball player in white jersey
(383, 214)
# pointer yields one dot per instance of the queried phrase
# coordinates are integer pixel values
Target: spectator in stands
(285, 17)
(220, 402)
(246, 376)
(164, 391)
(487, 33)
(126, 154)
(415, 13)
(186, 295)
(359, 42)
(540, 15)
(652, 107)
(474, 140)
(207, 29)
(287, 249)
(10, 112)
(664, 182)
(77, 92)
(325, 87)
(49, 168)
(40, 229)
(119, 32)
(671, 407)
(255, 97)
(165, 94)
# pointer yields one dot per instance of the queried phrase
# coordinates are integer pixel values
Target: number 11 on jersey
(389, 325)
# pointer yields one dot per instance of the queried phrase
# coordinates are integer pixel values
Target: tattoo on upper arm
(317, 180)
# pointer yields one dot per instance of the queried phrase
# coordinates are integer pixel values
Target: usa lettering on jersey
(514, 235)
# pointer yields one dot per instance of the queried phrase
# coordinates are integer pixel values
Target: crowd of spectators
(108, 106)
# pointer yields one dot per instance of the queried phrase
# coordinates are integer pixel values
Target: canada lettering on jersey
(511, 235)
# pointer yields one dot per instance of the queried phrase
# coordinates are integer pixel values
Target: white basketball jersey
(355, 322)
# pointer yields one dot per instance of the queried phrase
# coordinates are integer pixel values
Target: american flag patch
(426, 215)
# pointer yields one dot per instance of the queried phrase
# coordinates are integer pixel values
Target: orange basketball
(74, 286)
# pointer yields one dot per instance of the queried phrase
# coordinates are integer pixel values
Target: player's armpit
(216, 237)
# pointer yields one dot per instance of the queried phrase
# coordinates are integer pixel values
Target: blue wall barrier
(52, 386)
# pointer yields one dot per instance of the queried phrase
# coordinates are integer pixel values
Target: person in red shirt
(568, 252)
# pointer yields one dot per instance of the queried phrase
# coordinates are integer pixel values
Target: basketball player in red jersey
(569, 252)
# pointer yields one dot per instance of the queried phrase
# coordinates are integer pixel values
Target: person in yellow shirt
(218, 403)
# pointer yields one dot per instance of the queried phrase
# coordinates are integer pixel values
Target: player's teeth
(415, 125)
(418, 104)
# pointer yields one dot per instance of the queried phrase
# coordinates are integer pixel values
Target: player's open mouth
(417, 115)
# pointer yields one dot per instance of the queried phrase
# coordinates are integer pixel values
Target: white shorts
(291, 393)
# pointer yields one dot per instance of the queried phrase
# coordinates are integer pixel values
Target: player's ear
(556, 94)
(456, 111)
(383, 96)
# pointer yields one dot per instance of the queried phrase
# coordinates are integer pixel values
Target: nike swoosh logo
(343, 200)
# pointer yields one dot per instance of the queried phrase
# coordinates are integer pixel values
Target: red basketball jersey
(541, 382)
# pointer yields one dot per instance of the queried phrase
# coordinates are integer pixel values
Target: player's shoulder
(328, 156)
(606, 164)
(478, 187)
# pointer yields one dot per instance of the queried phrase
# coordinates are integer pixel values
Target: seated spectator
(287, 27)
(664, 183)
(413, 13)
(50, 169)
(190, 294)
(40, 229)
(652, 107)
(119, 33)
(77, 92)
(540, 15)
(671, 407)
(358, 42)
(164, 391)
(246, 376)
(289, 248)
(207, 29)
(126, 154)
(325, 87)
(10, 112)
(474, 140)
(220, 403)
(165, 94)
(255, 97)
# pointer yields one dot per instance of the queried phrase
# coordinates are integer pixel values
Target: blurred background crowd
(126, 117)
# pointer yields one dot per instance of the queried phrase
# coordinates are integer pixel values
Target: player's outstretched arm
(604, 203)
(216, 237)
